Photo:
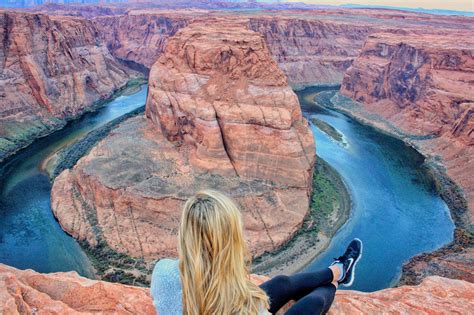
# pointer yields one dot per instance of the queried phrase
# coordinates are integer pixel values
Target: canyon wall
(311, 47)
(220, 114)
(312, 51)
(72, 62)
(51, 69)
(423, 85)
(140, 37)
(307, 50)
(28, 292)
(419, 86)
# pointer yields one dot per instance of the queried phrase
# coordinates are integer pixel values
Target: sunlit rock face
(422, 83)
(29, 292)
(217, 90)
(219, 115)
(312, 51)
(52, 69)
(138, 37)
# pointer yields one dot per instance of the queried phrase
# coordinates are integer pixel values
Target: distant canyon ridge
(409, 74)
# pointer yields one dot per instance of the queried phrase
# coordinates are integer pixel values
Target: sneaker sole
(355, 264)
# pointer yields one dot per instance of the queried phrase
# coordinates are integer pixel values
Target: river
(30, 237)
(396, 210)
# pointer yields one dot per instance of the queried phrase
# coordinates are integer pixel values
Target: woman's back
(166, 287)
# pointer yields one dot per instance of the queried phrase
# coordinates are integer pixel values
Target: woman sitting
(212, 273)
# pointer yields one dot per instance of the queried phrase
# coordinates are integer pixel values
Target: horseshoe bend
(219, 114)
(241, 102)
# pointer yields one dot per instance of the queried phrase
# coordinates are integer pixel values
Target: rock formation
(312, 51)
(311, 47)
(307, 50)
(51, 69)
(422, 84)
(220, 115)
(29, 292)
(140, 37)
(419, 87)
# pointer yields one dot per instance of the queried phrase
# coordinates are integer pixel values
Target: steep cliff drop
(310, 46)
(422, 84)
(221, 115)
(51, 69)
(28, 292)
(419, 87)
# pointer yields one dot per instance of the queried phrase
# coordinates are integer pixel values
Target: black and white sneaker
(349, 261)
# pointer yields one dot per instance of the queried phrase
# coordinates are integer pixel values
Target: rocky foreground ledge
(29, 292)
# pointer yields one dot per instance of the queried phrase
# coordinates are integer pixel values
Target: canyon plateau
(220, 113)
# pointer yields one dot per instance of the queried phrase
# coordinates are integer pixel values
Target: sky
(460, 5)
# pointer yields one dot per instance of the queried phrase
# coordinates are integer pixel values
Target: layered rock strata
(419, 87)
(140, 38)
(28, 292)
(51, 69)
(422, 84)
(220, 115)
(311, 47)
(312, 51)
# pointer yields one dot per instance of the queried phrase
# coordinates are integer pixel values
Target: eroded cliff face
(422, 84)
(308, 50)
(138, 37)
(223, 95)
(311, 47)
(52, 69)
(220, 115)
(312, 51)
(419, 87)
(27, 292)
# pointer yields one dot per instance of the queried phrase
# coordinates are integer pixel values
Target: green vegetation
(329, 210)
(327, 129)
(19, 134)
(108, 263)
(117, 267)
(68, 157)
(329, 197)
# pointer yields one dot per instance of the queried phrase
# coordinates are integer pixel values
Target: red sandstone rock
(422, 84)
(140, 38)
(221, 116)
(435, 295)
(51, 69)
(28, 292)
(310, 50)
(217, 90)
(311, 47)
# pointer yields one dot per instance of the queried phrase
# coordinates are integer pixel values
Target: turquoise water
(30, 237)
(396, 211)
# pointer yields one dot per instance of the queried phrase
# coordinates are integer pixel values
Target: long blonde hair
(213, 259)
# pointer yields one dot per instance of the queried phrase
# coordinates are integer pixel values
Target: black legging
(313, 292)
